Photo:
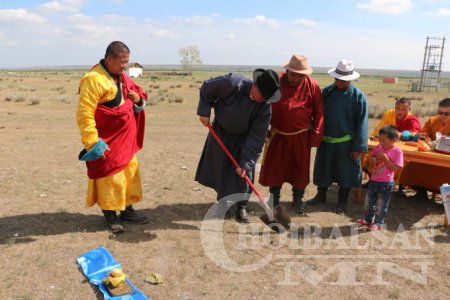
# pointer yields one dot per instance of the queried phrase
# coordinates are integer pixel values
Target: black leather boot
(112, 221)
(297, 197)
(241, 213)
(320, 197)
(275, 191)
(342, 200)
(130, 215)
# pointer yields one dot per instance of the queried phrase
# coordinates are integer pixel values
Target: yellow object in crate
(116, 277)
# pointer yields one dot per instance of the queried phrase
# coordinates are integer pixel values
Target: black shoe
(342, 201)
(401, 192)
(320, 197)
(421, 195)
(298, 206)
(338, 210)
(130, 215)
(242, 215)
(112, 221)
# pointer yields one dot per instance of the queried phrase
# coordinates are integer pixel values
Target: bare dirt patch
(44, 225)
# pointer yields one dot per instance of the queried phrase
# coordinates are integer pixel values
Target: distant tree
(190, 56)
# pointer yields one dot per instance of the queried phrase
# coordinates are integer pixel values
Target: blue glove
(406, 136)
(96, 152)
(417, 137)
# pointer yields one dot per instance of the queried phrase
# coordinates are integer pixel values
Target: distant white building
(135, 70)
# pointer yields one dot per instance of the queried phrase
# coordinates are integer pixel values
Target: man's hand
(204, 121)
(241, 172)
(104, 153)
(133, 96)
(355, 155)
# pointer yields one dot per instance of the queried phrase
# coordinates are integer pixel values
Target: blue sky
(379, 34)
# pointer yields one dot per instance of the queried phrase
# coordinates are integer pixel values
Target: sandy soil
(44, 225)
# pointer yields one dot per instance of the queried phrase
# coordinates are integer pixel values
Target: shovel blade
(280, 222)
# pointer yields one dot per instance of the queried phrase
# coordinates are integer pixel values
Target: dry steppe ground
(44, 225)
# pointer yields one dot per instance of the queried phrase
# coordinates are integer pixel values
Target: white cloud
(260, 19)
(230, 35)
(301, 33)
(120, 19)
(199, 20)
(196, 20)
(19, 16)
(444, 12)
(305, 22)
(162, 33)
(391, 7)
(62, 6)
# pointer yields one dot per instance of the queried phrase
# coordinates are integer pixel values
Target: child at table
(388, 159)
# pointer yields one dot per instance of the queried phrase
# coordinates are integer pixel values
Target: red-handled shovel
(271, 219)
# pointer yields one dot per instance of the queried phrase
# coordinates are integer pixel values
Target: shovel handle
(235, 163)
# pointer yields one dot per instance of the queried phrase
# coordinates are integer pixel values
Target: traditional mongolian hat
(344, 71)
(268, 84)
(298, 64)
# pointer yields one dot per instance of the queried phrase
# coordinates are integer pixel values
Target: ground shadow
(25, 228)
(402, 211)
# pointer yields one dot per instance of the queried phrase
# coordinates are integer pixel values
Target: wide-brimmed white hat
(344, 71)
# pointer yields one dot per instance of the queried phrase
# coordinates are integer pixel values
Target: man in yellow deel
(111, 119)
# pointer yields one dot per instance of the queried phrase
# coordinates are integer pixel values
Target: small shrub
(154, 77)
(373, 111)
(152, 101)
(395, 294)
(64, 99)
(11, 242)
(179, 85)
(179, 99)
(376, 111)
(19, 98)
(35, 101)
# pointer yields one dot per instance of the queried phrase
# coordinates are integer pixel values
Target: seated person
(402, 118)
(425, 177)
(406, 123)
